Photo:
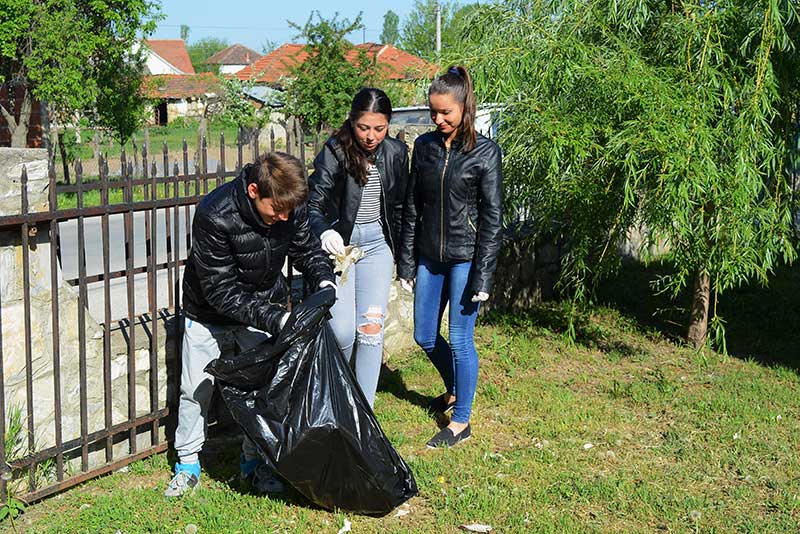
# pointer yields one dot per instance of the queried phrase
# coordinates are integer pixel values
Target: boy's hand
(328, 283)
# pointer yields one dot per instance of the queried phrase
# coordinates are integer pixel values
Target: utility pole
(438, 12)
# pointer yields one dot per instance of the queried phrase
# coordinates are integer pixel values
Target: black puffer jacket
(335, 196)
(456, 211)
(233, 274)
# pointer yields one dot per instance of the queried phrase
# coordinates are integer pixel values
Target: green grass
(172, 134)
(116, 194)
(680, 442)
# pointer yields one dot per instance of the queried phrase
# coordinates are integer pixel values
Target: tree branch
(12, 124)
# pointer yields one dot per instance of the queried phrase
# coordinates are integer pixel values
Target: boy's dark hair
(367, 100)
(279, 177)
(456, 82)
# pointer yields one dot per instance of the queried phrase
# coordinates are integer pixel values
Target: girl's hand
(332, 242)
(480, 297)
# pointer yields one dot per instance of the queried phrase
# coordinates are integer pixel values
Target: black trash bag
(299, 402)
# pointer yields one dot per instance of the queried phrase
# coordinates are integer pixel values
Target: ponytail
(457, 82)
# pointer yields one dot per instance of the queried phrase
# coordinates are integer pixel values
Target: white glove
(407, 285)
(332, 242)
(284, 319)
(480, 297)
(328, 283)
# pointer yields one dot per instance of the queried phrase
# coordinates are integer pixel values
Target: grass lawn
(623, 431)
(173, 135)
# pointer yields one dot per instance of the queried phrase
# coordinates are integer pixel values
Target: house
(394, 63)
(180, 95)
(233, 59)
(166, 56)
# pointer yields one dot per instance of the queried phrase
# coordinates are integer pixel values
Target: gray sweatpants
(201, 344)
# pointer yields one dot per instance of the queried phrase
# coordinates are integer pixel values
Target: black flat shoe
(446, 438)
(438, 405)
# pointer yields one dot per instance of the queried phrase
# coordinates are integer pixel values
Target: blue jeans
(360, 307)
(457, 362)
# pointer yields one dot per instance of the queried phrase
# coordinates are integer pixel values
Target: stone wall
(527, 272)
(187, 107)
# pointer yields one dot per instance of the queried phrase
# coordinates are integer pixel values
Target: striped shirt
(370, 209)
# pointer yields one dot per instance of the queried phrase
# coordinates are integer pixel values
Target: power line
(249, 28)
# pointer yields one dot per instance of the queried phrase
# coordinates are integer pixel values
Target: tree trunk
(135, 154)
(63, 153)
(18, 128)
(78, 128)
(96, 144)
(698, 322)
(201, 133)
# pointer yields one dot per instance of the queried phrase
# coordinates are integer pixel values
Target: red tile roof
(275, 65)
(234, 55)
(180, 85)
(398, 64)
(174, 52)
(394, 63)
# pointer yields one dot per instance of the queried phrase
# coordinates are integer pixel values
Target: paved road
(68, 231)
(94, 259)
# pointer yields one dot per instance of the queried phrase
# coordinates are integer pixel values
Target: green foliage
(236, 107)
(120, 101)
(68, 53)
(14, 438)
(11, 509)
(17, 16)
(70, 141)
(671, 116)
(391, 32)
(419, 29)
(322, 87)
(201, 50)
(268, 46)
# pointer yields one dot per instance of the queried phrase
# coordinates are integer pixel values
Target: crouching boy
(234, 293)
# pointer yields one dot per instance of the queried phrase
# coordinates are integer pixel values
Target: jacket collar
(245, 204)
(455, 145)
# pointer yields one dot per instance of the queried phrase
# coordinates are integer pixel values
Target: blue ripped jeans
(360, 307)
(457, 362)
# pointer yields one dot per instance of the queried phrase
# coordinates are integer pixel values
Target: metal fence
(165, 196)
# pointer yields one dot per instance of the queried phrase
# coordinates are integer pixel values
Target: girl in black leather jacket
(451, 239)
(357, 192)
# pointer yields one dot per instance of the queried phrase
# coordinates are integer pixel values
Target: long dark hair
(367, 100)
(456, 82)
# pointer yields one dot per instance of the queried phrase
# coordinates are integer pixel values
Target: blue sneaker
(186, 479)
(262, 478)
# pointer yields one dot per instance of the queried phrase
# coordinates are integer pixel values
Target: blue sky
(252, 23)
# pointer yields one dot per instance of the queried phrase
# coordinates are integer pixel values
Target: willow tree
(673, 116)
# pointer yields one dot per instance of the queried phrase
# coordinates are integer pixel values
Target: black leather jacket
(233, 274)
(454, 211)
(334, 196)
